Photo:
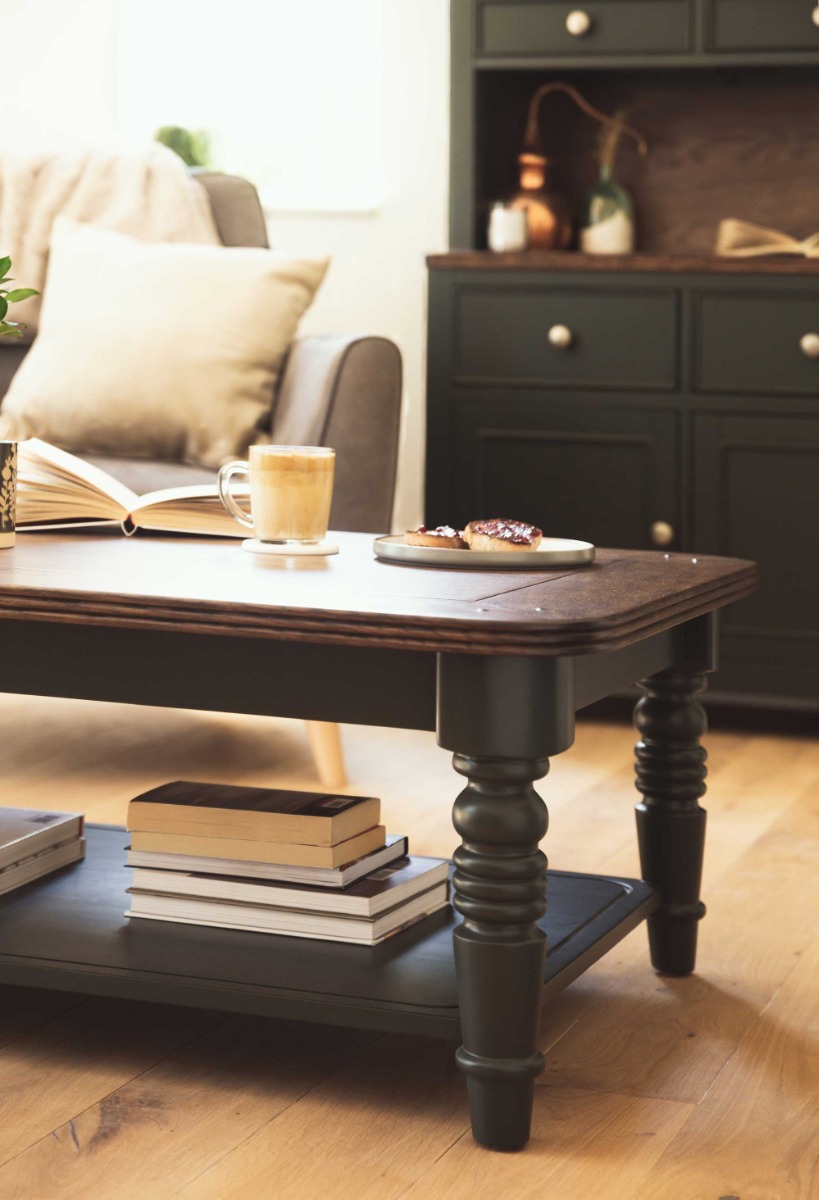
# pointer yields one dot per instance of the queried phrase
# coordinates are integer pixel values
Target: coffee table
(497, 663)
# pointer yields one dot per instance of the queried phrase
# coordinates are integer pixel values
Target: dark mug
(8, 492)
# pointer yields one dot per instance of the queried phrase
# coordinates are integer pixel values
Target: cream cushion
(166, 351)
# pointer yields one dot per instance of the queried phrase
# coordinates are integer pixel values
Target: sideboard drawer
(626, 27)
(763, 344)
(738, 25)
(567, 338)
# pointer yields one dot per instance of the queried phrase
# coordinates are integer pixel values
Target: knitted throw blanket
(150, 195)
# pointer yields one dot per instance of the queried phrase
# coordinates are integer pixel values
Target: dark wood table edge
(491, 635)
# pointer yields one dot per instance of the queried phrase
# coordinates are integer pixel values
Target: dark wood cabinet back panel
(614, 27)
(717, 140)
(763, 25)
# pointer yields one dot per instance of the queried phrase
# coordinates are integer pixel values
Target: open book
(55, 488)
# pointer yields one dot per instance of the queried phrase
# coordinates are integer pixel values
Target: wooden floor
(657, 1089)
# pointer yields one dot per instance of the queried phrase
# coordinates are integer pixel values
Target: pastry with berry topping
(499, 534)
(443, 538)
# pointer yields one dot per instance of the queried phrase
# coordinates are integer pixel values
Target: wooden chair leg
(328, 753)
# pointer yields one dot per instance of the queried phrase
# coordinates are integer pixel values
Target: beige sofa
(342, 391)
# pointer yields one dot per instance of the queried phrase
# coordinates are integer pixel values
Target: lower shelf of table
(68, 932)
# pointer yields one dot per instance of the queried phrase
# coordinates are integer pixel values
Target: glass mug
(291, 490)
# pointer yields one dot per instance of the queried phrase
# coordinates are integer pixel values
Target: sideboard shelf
(572, 260)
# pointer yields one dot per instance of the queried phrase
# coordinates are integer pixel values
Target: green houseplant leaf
(192, 145)
(17, 294)
(11, 328)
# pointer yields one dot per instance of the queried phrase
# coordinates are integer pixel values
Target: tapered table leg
(500, 889)
(670, 823)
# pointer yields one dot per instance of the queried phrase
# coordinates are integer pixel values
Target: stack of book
(295, 863)
(33, 844)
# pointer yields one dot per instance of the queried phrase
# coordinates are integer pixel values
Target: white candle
(507, 229)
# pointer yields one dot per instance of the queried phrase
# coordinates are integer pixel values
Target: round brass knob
(578, 23)
(561, 337)
(814, 16)
(809, 345)
(662, 534)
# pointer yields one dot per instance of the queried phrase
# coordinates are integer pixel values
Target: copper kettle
(548, 218)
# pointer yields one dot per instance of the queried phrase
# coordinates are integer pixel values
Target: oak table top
(101, 578)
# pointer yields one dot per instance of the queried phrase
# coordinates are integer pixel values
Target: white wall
(58, 89)
(58, 82)
(377, 283)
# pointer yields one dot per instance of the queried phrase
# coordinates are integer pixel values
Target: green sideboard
(669, 399)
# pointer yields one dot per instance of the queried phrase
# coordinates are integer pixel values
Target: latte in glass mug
(291, 490)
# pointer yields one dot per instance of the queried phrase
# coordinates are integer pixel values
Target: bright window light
(289, 91)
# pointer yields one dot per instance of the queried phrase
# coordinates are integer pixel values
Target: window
(288, 90)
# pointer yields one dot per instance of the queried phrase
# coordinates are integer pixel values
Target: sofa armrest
(12, 353)
(345, 392)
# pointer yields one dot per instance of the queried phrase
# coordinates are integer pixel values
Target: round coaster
(294, 550)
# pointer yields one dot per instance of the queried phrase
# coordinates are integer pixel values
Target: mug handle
(226, 473)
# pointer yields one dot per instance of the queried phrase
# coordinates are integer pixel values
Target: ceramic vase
(608, 220)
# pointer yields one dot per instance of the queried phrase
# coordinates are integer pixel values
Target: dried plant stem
(532, 143)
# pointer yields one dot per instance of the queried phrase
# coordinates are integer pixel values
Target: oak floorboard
(152, 1135)
(23, 1009)
(668, 1037)
(745, 801)
(50, 1075)
(756, 1133)
(594, 1145)
(368, 1131)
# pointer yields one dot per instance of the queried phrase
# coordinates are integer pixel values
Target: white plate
(552, 552)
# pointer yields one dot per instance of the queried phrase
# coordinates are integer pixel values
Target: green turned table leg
(500, 953)
(671, 775)
(503, 717)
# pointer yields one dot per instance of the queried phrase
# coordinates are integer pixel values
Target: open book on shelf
(56, 489)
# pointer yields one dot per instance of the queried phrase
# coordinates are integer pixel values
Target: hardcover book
(218, 810)
(25, 832)
(288, 922)
(294, 854)
(43, 863)
(379, 891)
(331, 877)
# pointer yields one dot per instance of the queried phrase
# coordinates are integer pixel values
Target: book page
(55, 486)
(193, 509)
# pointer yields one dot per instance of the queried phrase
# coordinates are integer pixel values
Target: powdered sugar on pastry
(502, 534)
(444, 537)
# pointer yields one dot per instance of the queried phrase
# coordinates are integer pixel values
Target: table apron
(351, 684)
(212, 673)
